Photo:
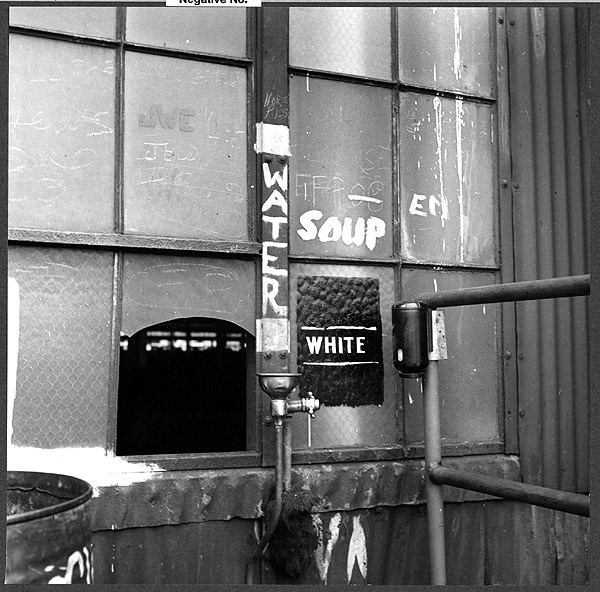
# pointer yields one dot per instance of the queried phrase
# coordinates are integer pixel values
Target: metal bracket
(439, 349)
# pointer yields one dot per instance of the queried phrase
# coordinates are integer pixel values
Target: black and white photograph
(298, 293)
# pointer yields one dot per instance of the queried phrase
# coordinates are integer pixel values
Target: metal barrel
(48, 529)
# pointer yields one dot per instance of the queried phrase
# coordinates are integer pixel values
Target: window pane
(88, 21)
(340, 172)
(446, 176)
(445, 48)
(61, 135)
(349, 308)
(219, 31)
(346, 40)
(157, 288)
(469, 384)
(185, 148)
(182, 388)
(64, 346)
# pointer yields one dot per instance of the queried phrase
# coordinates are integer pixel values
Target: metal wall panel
(193, 553)
(551, 234)
(489, 542)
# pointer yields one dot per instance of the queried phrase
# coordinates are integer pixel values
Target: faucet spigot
(306, 404)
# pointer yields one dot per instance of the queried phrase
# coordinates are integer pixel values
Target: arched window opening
(182, 388)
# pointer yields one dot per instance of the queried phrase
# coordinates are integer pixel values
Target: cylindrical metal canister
(410, 328)
(48, 529)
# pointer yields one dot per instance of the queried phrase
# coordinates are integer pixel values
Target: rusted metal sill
(132, 241)
(178, 497)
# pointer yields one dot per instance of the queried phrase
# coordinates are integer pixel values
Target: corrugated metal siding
(551, 234)
(489, 542)
(193, 553)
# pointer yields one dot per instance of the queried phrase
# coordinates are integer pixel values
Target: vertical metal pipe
(274, 517)
(287, 452)
(433, 457)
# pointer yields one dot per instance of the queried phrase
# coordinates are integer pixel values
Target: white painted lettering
(272, 225)
(375, 230)
(360, 345)
(314, 344)
(331, 231)
(267, 258)
(271, 290)
(275, 222)
(76, 559)
(359, 232)
(348, 341)
(330, 345)
(433, 202)
(416, 208)
(357, 550)
(279, 178)
(309, 229)
(275, 199)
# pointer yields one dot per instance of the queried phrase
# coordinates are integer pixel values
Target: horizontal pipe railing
(437, 474)
(577, 285)
(573, 503)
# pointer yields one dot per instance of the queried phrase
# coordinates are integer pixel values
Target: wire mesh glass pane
(468, 379)
(61, 135)
(157, 288)
(78, 20)
(185, 148)
(64, 346)
(356, 410)
(219, 31)
(446, 178)
(445, 48)
(341, 170)
(346, 40)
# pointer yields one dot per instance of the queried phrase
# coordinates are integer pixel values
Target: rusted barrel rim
(52, 509)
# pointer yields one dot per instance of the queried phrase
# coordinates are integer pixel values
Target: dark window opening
(182, 388)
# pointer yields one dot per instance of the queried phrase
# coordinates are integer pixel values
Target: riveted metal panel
(551, 234)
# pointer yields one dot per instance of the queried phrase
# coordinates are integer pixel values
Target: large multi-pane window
(392, 119)
(129, 191)
(133, 214)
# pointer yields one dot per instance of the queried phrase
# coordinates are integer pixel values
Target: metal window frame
(120, 244)
(403, 449)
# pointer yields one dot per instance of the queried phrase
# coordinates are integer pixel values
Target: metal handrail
(577, 285)
(573, 503)
(436, 474)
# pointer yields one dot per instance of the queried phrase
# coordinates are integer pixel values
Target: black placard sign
(339, 340)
